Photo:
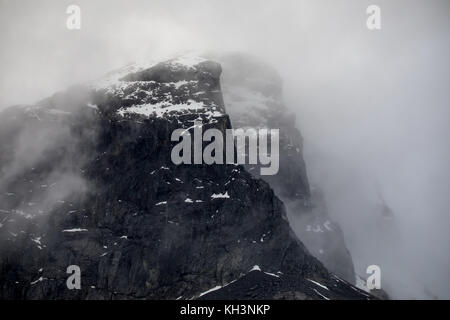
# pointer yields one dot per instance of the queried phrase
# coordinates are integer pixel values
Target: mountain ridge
(118, 205)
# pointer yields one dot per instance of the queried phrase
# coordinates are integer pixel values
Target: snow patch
(318, 284)
(37, 240)
(210, 290)
(38, 280)
(163, 108)
(75, 230)
(326, 298)
(220, 195)
(272, 274)
(255, 268)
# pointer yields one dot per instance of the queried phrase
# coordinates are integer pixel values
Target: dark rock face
(253, 96)
(87, 180)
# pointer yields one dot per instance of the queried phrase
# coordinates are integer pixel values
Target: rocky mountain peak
(87, 180)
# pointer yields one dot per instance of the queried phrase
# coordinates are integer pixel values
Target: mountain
(87, 180)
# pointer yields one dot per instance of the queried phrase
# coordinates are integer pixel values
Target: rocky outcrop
(87, 180)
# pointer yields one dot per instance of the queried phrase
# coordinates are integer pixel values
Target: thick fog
(373, 105)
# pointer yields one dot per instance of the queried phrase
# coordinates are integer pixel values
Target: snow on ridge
(112, 78)
(272, 274)
(210, 290)
(161, 108)
(113, 84)
(326, 298)
(255, 268)
(38, 280)
(220, 195)
(75, 230)
(318, 284)
(217, 288)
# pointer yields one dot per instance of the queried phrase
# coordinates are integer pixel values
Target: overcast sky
(373, 106)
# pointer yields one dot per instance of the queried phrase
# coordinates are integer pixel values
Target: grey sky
(373, 106)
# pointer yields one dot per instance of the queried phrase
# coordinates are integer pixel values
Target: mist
(373, 106)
